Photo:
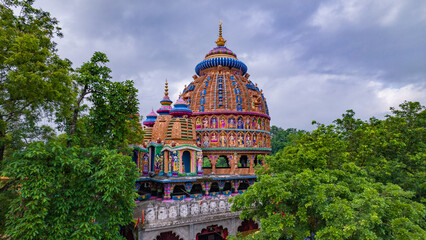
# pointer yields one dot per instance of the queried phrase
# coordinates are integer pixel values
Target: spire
(166, 90)
(220, 41)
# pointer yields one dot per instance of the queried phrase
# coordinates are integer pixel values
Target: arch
(248, 140)
(247, 123)
(206, 163)
(240, 123)
(197, 188)
(247, 227)
(186, 161)
(213, 232)
(214, 187)
(205, 122)
(222, 139)
(232, 140)
(222, 162)
(144, 188)
(243, 185)
(198, 123)
(227, 186)
(231, 123)
(179, 190)
(244, 162)
(168, 236)
(206, 140)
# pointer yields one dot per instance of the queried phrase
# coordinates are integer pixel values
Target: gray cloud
(313, 59)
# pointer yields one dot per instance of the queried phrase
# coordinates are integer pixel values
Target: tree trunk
(75, 115)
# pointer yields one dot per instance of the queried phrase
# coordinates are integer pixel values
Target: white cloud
(338, 14)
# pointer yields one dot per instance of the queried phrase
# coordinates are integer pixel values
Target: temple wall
(186, 218)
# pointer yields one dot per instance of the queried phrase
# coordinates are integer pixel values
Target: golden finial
(166, 91)
(220, 41)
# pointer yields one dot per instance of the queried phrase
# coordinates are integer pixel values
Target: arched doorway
(244, 163)
(186, 161)
(168, 236)
(247, 227)
(213, 232)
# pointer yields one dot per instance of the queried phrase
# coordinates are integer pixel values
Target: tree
(349, 180)
(80, 185)
(281, 138)
(70, 193)
(34, 81)
(112, 119)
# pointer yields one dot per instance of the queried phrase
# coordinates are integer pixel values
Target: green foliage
(110, 121)
(70, 193)
(206, 162)
(349, 180)
(6, 196)
(34, 81)
(281, 138)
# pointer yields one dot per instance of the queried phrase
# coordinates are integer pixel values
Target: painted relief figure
(264, 141)
(254, 140)
(175, 163)
(198, 141)
(214, 122)
(259, 122)
(205, 123)
(248, 140)
(198, 123)
(240, 140)
(206, 141)
(214, 137)
(222, 122)
(231, 123)
(248, 123)
(170, 162)
(240, 123)
(158, 163)
(222, 140)
(253, 124)
(232, 140)
(145, 162)
(263, 125)
(260, 140)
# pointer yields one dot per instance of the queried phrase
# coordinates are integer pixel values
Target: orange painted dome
(229, 111)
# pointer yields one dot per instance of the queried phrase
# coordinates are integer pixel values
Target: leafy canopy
(349, 180)
(70, 193)
(34, 81)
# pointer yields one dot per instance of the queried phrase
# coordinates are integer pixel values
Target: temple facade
(200, 151)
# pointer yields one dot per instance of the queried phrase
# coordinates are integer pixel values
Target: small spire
(166, 91)
(220, 41)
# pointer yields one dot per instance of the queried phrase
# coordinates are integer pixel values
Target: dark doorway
(186, 161)
(152, 158)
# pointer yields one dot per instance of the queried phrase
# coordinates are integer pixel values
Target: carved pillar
(175, 163)
(236, 185)
(213, 160)
(206, 188)
(167, 191)
(200, 163)
(251, 162)
(221, 185)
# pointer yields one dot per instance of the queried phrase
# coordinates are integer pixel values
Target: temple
(202, 150)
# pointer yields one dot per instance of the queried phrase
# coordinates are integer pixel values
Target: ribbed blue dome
(223, 61)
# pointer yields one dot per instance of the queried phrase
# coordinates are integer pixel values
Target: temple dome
(180, 108)
(150, 119)
(222, 85)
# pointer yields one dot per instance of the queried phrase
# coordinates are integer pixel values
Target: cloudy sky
(313, 59)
